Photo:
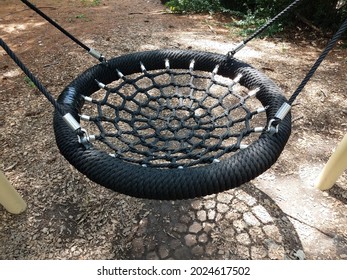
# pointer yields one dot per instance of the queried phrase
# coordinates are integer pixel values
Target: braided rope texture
(169, 184)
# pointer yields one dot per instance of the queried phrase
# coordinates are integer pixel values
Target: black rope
(285, 108)
(36, 82)
(33, 7)
(327, 49)
(95, 54)
(265, 26)
(270, 22)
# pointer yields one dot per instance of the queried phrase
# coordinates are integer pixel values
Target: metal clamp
(236, 49)
(83, 137)
(280, 115)
(97, 55)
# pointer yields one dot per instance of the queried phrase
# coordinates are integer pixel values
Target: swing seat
(172, 124)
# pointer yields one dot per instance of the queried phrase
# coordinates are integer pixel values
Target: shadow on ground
(338, 193)
(244, 223)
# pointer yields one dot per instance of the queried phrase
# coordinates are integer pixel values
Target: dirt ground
(279, 215)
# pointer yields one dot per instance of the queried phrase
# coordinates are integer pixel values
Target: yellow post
(9, 197)
(334, 168)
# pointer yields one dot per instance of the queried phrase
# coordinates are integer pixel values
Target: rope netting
(173, 118)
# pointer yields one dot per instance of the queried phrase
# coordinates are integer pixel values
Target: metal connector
(143, 68)
(71, 122)
(167, 64)
(97, 55)
(191, 65)
(83, 137)
(283, 111)
(236, 49)
(280, 115)
(100, 84)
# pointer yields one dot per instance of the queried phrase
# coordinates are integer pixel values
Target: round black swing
(172, 123)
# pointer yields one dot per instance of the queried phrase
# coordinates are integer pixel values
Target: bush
(198, 6)
(326, 14)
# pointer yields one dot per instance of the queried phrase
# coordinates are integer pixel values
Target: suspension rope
(91, 51)
(82, 135)
(323, 55)
(286, 107)
(31, 76)
(262, 28)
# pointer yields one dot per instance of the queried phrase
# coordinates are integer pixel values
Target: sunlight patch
(219, 47)
(12, 73)
(13, 27)
(309, 173)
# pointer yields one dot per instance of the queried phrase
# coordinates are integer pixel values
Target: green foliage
(198, 6)
(29, 82)
(92, 3)
(325, 14)
(249, 23)
(80, 16)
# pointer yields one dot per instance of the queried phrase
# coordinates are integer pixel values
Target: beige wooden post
(9, 197)
(334, 168)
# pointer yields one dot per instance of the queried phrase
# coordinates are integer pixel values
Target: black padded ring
(155, 183)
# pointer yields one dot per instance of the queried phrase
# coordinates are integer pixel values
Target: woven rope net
(173, 118)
